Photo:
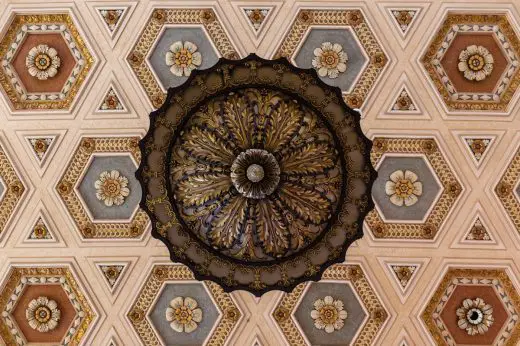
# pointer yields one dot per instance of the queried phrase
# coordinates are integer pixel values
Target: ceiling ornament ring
(256, 174)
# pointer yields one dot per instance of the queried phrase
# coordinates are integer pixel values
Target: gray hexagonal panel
(210, 314)
(345, 37)
(87, 190)
(157, 58)
(354, 320)
(425, 175)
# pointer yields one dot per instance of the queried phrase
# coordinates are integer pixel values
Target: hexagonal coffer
(56, 31)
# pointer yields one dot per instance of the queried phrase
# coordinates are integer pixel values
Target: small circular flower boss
(328, 314)
(183, 314)
(43, 314)
(475, 316)
(42, 62)
(330, 60)
(476, 62)
(183, 58)
(112, 188)
(403, 188)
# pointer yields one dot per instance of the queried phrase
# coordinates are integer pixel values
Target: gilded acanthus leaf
(311, 158)
(200, 188)
(182, 165)
(307, 204)
(284, 121)
(210, 117)
(272, 231)
(239, 119)
(227, 224)
(248, 245)
(298, 234)
(206, 145)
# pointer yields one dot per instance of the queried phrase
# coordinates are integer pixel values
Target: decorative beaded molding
(36, 29)
(506, 187)
(339, 272)
(77, 210)
(505, 35)
(13, 189)
(14, 288)
(510, 55)
(161, 274)
(354, 19)
(498, 279)
(451, 189)
(36, 24)
(161, 17)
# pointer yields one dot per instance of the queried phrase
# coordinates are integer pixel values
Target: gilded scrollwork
(257, 160)
(242, 164)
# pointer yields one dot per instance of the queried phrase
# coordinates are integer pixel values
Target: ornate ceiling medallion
(256, 174)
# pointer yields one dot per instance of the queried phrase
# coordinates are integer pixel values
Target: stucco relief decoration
(330, 60)
(183, 58)
(475, 316)
(183, 314)
(329, 314)
(42, 62)
(43, 314)
(112, 188)
(403, 188)
(247, 165)
(476, 62)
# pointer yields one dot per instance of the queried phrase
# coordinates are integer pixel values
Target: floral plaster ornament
(111, 188)
(183, 58)
(476, 62)
(403, 188)
(254, 174)
(43, 314)
(328, 314)
(42, 62)
(475, 316)
(183, 314)
(330, 60)
(257, 16)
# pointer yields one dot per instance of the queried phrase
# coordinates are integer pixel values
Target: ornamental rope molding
(256, 174)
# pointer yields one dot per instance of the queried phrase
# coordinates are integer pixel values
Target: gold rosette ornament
(255, 175)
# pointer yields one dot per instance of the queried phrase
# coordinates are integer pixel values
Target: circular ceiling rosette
(256, 174)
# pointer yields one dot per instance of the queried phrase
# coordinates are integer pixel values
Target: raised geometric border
(481, 275)
(162, 273)
(448, 19)
(13, 189)
(354, 274)
(16, 24)
(73, 173)
(353, 18)
(13, 279)
(163, 16)
(506, 187)
(450, 193)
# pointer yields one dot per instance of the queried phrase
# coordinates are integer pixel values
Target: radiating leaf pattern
(238, 117)
(309, 159)
(227, 224)
(204, 144)
(209, 165)
(284, 122)
(271, 230)
(200, 188)
(307, 203)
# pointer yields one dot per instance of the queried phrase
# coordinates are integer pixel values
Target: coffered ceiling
(436, 83)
